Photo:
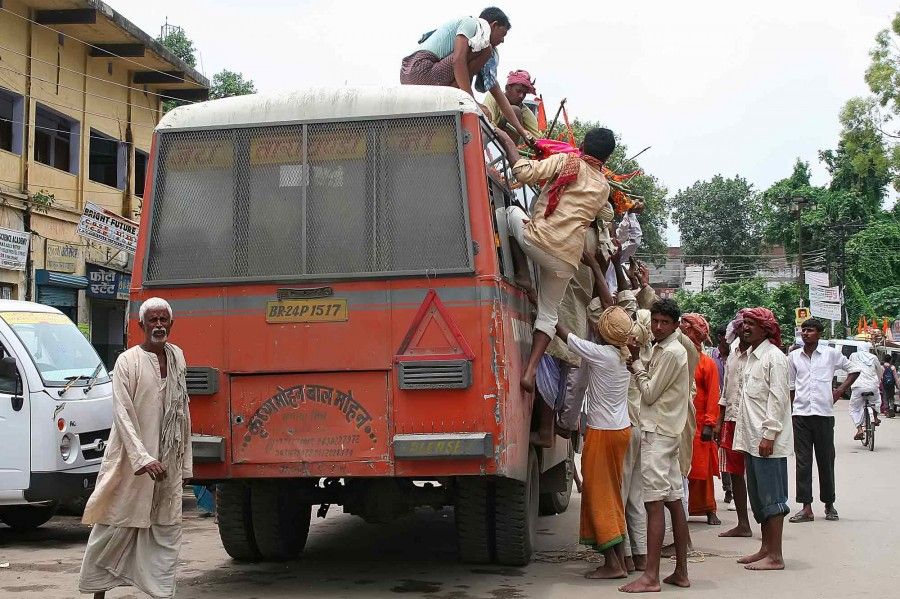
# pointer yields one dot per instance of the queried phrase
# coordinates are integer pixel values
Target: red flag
(884, 328)
(541, 115)
(860, 326)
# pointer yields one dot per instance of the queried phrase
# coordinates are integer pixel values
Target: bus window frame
(240, 128)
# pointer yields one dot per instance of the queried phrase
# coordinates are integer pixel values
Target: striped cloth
(425, 68)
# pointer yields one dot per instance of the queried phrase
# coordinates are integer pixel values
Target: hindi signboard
(824, 294)
(816, 278)
(829, 310)
(105, 283)
(62, 257)
(13, 249)
(109, 228)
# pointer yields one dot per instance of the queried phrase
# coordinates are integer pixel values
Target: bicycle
(869, 418)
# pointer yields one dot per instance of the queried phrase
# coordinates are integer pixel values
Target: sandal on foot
(858, 437)
(802, 516)
(831, 514)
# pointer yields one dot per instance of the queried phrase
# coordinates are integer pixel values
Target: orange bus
(343, 292)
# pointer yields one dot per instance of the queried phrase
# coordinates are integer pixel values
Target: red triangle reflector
(433, 335)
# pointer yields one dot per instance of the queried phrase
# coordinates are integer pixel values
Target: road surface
(346, 557)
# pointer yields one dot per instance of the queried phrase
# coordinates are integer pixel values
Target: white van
(55, 413)
(847, 347)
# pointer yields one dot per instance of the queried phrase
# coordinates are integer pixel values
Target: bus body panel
(224, 327)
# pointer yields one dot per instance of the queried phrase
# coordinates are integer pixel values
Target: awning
(59, 279)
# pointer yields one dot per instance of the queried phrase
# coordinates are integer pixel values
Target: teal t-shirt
(440, 43)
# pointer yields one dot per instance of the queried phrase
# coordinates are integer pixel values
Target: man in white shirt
(869, 381)
(763, 433)
(810, 370)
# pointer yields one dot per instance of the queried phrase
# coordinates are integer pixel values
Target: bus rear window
(293, 202)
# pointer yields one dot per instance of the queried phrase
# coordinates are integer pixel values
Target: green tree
(230, 83)
(873, 263)
(719, 220)
(886, 302)
(654, 219)
(720, 305)
(180, 45)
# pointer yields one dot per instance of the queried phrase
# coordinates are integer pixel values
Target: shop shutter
(57, 296)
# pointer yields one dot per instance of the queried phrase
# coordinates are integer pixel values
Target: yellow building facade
(81, 89)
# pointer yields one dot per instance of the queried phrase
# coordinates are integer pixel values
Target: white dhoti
(633, 498)
(857, 403)
(145, 558)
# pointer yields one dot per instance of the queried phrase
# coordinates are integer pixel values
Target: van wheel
(25, 518)
(515, 515)
(280, 520)
(235, 521)
(474, 521)
(557, 502)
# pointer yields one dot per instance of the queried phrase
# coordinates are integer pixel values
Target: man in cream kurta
(135, 509)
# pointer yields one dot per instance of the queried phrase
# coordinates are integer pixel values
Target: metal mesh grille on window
(352, 199)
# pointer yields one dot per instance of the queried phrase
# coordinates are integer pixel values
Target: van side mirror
(8, 369)
(9, 378)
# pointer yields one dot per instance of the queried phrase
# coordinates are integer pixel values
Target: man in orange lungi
(705, 462)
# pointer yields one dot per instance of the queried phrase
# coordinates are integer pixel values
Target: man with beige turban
(608, 433)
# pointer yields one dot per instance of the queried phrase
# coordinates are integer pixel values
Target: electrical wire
(80, 74)
(7, 181)
(90, 45)
(78, 109)
(75, 89)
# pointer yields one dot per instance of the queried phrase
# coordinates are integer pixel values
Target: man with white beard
(135, 509)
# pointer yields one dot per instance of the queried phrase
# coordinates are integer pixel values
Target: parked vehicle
(55, 413)
(847, 347)
(343, 289)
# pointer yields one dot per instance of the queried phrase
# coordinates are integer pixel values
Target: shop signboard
(106, 283)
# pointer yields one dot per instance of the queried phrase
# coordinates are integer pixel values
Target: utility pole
(797, 205)
(702, 276)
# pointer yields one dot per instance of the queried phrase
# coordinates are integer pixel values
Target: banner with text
(62, 257)
(13, 249)
(109, 228)
(824, 294)
(829, 310)
(816, 278)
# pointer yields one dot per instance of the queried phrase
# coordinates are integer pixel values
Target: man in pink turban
(764, 434)
(518, 85)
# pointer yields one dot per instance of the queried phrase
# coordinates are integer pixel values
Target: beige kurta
(122, 499)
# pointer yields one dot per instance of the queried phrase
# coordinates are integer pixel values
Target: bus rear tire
(25, 518)
(280, 521)
(235, 521)
(515, 515)
(474, 522)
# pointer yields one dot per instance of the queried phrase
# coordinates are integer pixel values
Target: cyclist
(870, 373)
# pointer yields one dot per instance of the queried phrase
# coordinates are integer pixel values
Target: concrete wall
(95, 93)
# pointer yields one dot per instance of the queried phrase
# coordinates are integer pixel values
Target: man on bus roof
(459, 50)
(553, 236)
(518, 85)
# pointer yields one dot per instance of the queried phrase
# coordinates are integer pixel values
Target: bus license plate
(307, 310)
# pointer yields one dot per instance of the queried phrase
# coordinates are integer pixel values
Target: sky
(715, 87)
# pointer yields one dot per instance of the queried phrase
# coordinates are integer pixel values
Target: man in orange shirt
(705, 463)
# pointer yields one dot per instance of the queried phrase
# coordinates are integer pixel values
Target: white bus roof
(313, 104)
(22, 306)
